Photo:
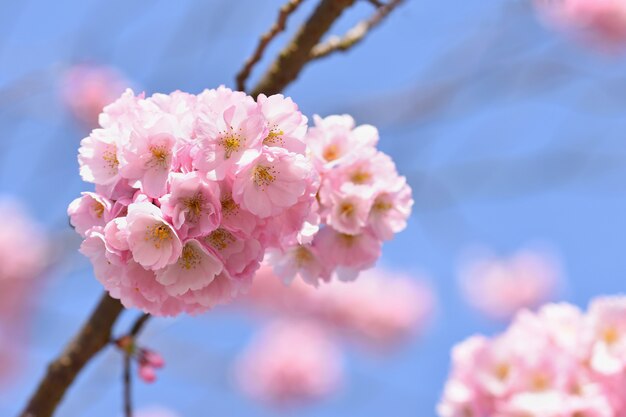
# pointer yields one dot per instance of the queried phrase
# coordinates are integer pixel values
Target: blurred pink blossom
(558, 362)
(23, 256)
(155, 411)
(380, 308)
(289, 363)
(602, 22)
(87, 88)
(499, 287)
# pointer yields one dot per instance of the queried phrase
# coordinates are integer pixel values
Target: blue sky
(508, 132)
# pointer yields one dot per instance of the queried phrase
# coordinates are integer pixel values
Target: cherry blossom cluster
(381, 309)
(558, 362)
(192, 191)
(600, 21)
(500, 286)
(362, 201)
(290, 362)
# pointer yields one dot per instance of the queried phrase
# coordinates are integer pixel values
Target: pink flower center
(158, 233)
(194, 204)
(160, 157)
(381, 205)
(346, 209)
(610, 335)
(302, 256)
(360, 176)
(331, 152)
(98, 208)
(229, 206)
(264, 176)
(190, 258)
(274, 138)
(231, 144)
(220, 239)
(110, 158)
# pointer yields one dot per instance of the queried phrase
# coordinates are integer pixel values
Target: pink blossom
(193, 204)
(542, 365)
(98, 157)
(380, 309)
(600, 21)
(191, 192)
(86, 89)
(230, 125)
(334, 140)
(299, 260)
(148, 158)
(195, 269)
(290, 363)
(152, 241)
(607, 324)
(499, 287)
(89, 211)
(349, 254)
(272, 182)
(286, 126)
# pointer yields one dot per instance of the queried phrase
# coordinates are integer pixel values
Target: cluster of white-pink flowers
(361, 202)
(558, 362)
(601, 21)
(500, 286)
(191, 191)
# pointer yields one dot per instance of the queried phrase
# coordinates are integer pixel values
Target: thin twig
(139, 324)
(128, 397)
(377, 3)
(91, 338)
(354, 35)
(264, 41)
(128, 347)
(297, 53)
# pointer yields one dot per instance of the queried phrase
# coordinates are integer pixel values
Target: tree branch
(267, 37)
(91, 338)
(297, 53)
(354, 35)
(128, 351)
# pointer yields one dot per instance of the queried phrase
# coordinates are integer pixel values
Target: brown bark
(91, 338)
(297, 53)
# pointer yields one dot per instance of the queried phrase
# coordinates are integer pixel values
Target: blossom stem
(134, 331)
(297, 53)
(90, 339)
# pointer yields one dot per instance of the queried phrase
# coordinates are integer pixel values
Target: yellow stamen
(229, 207)
(381, 206)
(331, 152)
(274, 138)
(346, 209)
(540, 382)
(264, 176)
(190, 257)
(158, 233)
(502, 371)
(160, 157)
(220, 239)
(360, 177)
(110, 158)
(610, 335)
(231, 144)
(302, 256)
(98, 208)
(195, 205)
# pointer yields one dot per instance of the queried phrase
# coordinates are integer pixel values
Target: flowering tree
(192, 191)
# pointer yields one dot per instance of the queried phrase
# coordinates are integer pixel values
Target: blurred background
(509, 132)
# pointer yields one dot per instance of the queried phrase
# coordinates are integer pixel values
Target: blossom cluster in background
(24, 255)
(381, 309)
(558, 362)
(290, 362)
(500, 286)
(295, 358)
(87, 88)
(600, 21)
(191, 191)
